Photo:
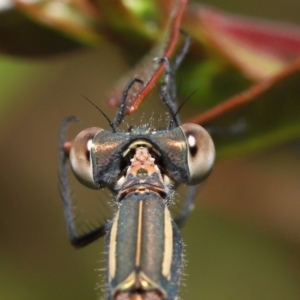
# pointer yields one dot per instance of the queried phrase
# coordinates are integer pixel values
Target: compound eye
(201, 152)
(80, 157)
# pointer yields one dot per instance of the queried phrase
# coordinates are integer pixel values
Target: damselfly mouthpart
(142, 168)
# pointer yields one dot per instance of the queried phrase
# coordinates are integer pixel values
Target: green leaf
(270, 110)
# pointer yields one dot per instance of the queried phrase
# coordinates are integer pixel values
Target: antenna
(103, 114)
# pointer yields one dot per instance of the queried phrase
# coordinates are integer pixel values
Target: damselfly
(142, 168)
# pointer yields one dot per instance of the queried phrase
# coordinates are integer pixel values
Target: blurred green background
(242, 241)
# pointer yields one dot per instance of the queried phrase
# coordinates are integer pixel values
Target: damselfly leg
(64, 153)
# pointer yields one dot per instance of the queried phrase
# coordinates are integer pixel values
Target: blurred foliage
(231, 55)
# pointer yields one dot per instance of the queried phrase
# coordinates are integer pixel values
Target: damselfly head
(100, 158)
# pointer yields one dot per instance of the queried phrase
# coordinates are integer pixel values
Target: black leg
(187, 42)
(188, 205)
(168, 89)
(166, 95)
(93, 233)
(120, 114)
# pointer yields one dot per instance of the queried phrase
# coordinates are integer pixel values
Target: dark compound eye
(201, 152)
(80, 156)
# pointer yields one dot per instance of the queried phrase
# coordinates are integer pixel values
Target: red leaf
(259, 48)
